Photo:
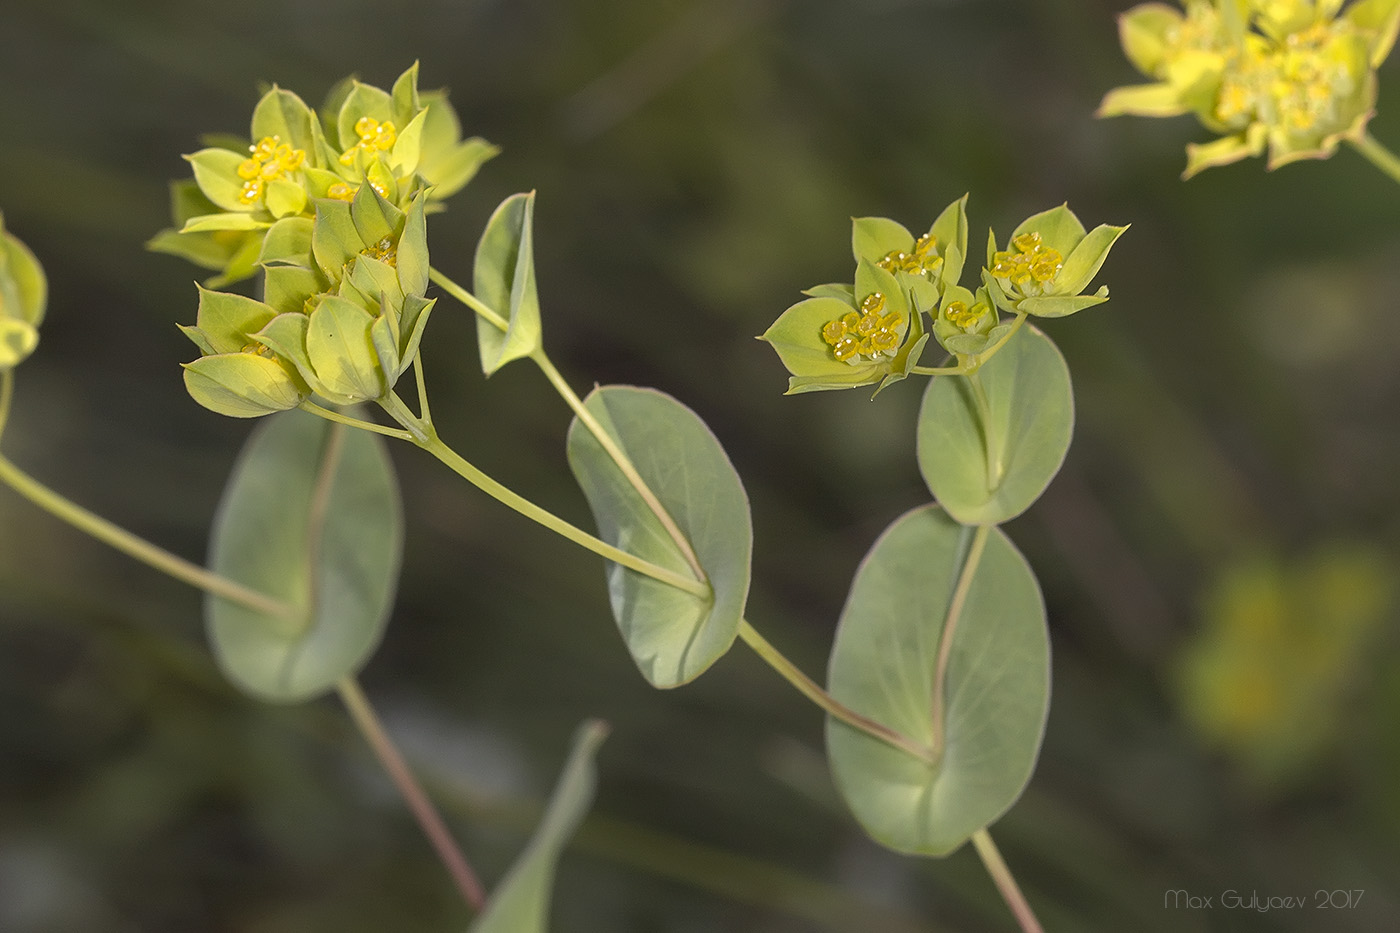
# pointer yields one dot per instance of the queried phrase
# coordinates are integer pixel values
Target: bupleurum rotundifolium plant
(1293, 78)
(929, 743)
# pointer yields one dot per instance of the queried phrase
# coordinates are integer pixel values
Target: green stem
(139, 548)
(468, 299)
(808, 688)
(346, 420)
(945, 639)
(937, 370)
(424, 412)
(7, 391)
(1006, 883)
(425, 437)
(1378, 155)
(422, 808)
(995, 468)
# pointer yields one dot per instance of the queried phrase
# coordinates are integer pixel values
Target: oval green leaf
(504, 278)
(521, 902)
(311, 516)
(1031, 403)
(673, 635)
(996, 692)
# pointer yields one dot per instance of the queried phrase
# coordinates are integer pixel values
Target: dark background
(1217, 555)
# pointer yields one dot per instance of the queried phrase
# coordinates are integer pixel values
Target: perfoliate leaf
(311, 516)
(1031, 418)
(674, 636)
(994, 696)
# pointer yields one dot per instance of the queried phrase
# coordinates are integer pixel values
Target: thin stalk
(346, 420)
(138, 548)
(1006, 883)
(434, 445)
(937, 370)
(424, 413)
(995, 468)
(950, 624)
(422, 808)
(1378, 155)
(468, 299)
(623, 462)
(809, 688)
(7, 391)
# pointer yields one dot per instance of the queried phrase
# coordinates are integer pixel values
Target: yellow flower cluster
(1031, 268)
(271, 159)
(864, 336)
(923, 258)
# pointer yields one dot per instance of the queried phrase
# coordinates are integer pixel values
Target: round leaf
(1031, 404)
(996, 693)
(673, 635)
(311, 516)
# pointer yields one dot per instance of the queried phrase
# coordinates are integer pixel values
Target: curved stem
(139, 548)
(1378, 155)
(468, 299)
(422, 808)
(346, 420)
(809, 688)
(937, 370)
(434, 445)
(950, 624)
(1006, 883)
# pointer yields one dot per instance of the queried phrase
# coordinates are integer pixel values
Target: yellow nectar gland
(922, 259)
(960, 314)
(386, 251)
(271, 159)
(340, 191)
(856, 337)
(374, 137)
(1031, 268)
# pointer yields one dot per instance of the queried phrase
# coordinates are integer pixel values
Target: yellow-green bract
(343, 314)
(401, 143)
(23, 296)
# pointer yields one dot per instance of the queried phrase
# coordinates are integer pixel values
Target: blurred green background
(1218, 555)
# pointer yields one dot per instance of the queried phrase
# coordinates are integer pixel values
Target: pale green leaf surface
(673, 636)
(883, 664)
(1032, 418)
(340, 565)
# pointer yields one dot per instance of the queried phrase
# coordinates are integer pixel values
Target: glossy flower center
(374, 137)
(959, 313)
(386, 251)
(924, 258)
(270, 160)
(340, 191)
(867, 335)
(1030, 266)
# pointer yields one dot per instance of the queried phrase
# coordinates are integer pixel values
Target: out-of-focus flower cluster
(1290, 77)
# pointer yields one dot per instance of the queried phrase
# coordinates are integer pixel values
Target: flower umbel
(1292, 77)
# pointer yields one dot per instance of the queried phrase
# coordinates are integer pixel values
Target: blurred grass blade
(521, 902)
(311, 516)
